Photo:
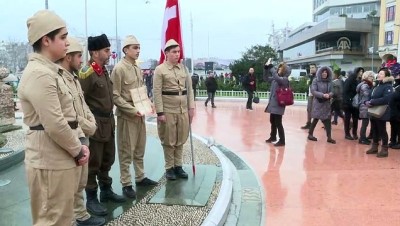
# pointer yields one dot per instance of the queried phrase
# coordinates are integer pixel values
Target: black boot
(179, 172)
(307, 126)
(270, 140)
(311, 130)
(373, 149)
(92, 203)
(129, 192)
(170, 174)
(107, 194)
(384, 152)
(92, 221)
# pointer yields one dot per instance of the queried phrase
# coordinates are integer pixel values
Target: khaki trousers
(131, 138)
(173, 134)
(52, 195)
(79, 205)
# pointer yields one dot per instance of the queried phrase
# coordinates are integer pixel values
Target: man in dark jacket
(249, 85)
(195, 82)
(313, 72)
(394, 105)
(350, 112)
(212, 86)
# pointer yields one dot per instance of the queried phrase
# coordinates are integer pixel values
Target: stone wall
(7, 115)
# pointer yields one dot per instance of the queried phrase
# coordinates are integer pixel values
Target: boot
(311, 131)
(179, 172)
(373, 149)
(170, 174)
(129, 192)
(270, 140)
(384, 152)
(307, 126)
(332, 141)
(364, 141)
(92, 221)
(107, 194)
(92, 203)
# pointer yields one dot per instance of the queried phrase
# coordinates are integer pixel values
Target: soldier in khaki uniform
(55, 144)
(172, 84)
(131, 125)
(97, 90)
(71, 64)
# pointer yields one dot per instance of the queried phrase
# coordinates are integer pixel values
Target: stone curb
(15, 158)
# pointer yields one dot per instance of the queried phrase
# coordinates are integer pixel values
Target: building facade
(343, 34)
(389, 29)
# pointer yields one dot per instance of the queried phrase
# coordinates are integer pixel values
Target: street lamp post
(116, 31)
(46, 4)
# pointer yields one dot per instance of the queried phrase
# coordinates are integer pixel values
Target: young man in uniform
(313, 72)
(131, 127)
(55, 144)
(172, 84)
(71, 64)
(97, 89)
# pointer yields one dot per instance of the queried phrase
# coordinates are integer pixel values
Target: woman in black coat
(249, 85)
(350, 112)
(381, 96)
(394, 105)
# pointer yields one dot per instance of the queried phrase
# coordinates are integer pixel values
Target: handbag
(256, 99)
(356, 101)
(285, 96)
(377, 111)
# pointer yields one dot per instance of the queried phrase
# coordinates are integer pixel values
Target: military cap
(170, 43)
(74, 45)
(42, 23)
(130, 40)
(98, 42)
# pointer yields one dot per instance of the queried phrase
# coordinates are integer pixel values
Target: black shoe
(107, 194)
(170, 174)
(307, 126)
(312, 138)
(391, 144)
(396, 146)
(332, 141)
(270, 140)
(93, 205)
(92, 221)
(355, 137)
(146, 182)
(214, 106)
(129, 192)
(334, 123)
(364, 141)
(279, 144)
(348, 137)
(179, 172)
(205, 104)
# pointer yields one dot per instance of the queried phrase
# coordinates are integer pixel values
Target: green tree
(255, 57)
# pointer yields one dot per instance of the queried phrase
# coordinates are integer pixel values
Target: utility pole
(46, 4)
(116, 31)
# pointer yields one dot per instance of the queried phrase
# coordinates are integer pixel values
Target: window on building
(390, 13)
(389, 37)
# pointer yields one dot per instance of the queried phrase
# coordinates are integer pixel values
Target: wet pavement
(307, 183)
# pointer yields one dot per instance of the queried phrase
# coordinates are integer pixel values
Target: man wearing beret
(97, 88)
(131, 125)
(174, 102)
(71, 64)
(55, 143)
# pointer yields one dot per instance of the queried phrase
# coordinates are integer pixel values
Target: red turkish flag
(171, 28)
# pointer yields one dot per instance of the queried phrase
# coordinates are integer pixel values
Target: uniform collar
(66, 73)
(97, 68)
(42, 59)
(171, 66)
(128, 63)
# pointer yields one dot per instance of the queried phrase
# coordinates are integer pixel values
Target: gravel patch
(15, 139)
(144, 213)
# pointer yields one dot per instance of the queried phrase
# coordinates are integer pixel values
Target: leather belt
(102, 114)
(73, 125)
(184, 92)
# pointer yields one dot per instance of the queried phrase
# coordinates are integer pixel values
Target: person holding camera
(278, 79)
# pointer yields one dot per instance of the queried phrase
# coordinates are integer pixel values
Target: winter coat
(381, 96)
(337, 86)
(349, 89)
(246, 83)
(211, 85)
(395, 104)
(321, 108)
(364, 94)
(271, 76)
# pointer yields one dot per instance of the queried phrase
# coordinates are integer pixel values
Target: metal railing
(243, 94)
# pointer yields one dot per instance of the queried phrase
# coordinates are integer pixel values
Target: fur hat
(98, 42)
(42, 23)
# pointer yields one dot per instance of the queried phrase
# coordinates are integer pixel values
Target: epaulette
(85, 72)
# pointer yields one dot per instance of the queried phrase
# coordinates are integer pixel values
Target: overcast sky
(231, 25)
